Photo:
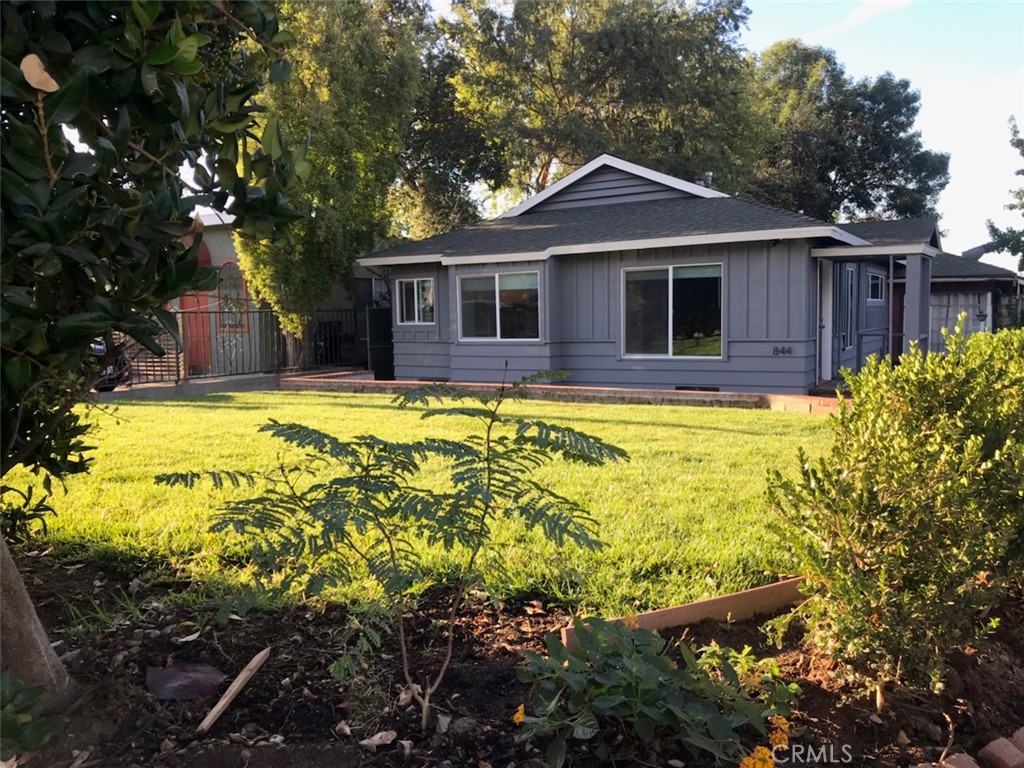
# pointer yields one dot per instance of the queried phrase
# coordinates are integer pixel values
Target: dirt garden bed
(289, 714)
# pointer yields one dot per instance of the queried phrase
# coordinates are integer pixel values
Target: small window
(379, 293)
(876, 287)
(502, 306)
(416, 301)
(850, 316)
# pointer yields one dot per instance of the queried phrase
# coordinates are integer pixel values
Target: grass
(684, 519)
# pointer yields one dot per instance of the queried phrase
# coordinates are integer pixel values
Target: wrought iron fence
(216, 343)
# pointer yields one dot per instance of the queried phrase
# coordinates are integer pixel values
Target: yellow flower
(631, 621)
(520, 714)
(779, 722)
(761, 757)
(779, 739)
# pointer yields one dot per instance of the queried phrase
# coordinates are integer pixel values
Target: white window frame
(876, 278)
(416, 308)
(850, 321)
(497, 307)
(668, 355)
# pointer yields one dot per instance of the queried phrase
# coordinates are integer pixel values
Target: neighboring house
(990, 295)
(626, 277)
(225, 331)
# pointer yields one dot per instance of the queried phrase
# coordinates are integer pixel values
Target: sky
(966, 57)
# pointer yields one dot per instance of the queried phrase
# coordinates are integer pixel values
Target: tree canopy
(353, 87)
(832, 146)
(1010, 239)
(558, 82)
(106, 108)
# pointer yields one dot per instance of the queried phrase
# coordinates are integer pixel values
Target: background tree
(93, 229)
(558, 82)
(354, 84)
(1010, 239)
(834, 147)
(445, 154)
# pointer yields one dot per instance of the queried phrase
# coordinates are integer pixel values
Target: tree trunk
(24, 647)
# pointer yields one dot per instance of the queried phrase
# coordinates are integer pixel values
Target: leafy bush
(23, 727)
(352, 508)
(622, 690)
(906, 529)
(20, 518)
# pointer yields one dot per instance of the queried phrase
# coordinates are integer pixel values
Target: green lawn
(684, 519)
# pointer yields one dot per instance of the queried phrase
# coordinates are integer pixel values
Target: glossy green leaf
(66, 104)
(17, 371)
(161, 54)
(271, 142)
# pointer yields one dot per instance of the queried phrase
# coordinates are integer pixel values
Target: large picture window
(502, 306)
(416, 301)
(673, 311)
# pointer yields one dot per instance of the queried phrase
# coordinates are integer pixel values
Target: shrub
(352, 508)
(23, 727)
(905, 530)
(622, 691)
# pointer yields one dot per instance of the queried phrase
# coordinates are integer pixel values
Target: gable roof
(648, 224)
(899, 232)
(610, 161)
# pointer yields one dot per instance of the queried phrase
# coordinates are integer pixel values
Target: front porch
(863, 311)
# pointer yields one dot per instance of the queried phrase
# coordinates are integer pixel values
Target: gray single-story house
(626, 277)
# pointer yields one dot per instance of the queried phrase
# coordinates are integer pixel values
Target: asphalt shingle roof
(898, 232)
(678, 217)
(948, 265)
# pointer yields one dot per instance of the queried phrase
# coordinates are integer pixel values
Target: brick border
(346, 382)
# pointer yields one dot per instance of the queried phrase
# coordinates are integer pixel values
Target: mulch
(290, 712)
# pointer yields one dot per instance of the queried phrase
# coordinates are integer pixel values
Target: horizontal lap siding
(607, 186)
(769, 304)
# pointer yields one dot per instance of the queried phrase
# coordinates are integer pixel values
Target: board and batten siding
(436, 353)
(768, 320)
(607, 186)
(871, 319)
(769, 323)
(422, 352)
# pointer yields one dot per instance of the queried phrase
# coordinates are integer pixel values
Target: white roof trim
(394, 261)
(875, 250)
(613, 162)
(500, 258)
(792, 233)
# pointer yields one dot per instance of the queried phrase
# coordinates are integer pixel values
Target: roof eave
(790, 233)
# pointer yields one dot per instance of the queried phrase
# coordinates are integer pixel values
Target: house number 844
(782, 351)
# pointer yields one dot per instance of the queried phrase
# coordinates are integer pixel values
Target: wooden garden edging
(736, 607)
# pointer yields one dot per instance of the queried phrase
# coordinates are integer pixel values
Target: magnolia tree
(118, 119)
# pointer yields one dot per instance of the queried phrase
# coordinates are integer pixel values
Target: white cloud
(862, 12)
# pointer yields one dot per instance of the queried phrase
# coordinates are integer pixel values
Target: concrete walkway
(169, 390)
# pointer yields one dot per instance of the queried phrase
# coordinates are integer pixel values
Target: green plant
(760, 678)
(352, 508)
(19, 518)
(905, 531)
(623, 691)
(23, 727)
